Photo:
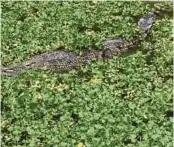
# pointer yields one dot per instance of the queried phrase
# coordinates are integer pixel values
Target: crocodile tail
(12, 70)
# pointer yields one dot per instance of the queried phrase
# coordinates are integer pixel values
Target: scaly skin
(64, 61)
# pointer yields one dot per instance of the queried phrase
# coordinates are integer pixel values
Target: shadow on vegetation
(169, 113)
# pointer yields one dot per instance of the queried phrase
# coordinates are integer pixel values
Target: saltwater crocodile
(64, 61)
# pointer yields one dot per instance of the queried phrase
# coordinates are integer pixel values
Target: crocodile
(64, 61)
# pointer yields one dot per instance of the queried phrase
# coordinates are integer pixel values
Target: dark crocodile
(64, 61)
